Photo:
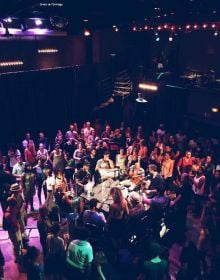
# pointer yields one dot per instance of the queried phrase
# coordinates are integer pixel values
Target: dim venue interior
(110, 140)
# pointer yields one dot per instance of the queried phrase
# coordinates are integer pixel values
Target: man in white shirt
(18, 169)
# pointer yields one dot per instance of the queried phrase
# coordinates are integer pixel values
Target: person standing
(13, 228)
(28, 185)
(156, 268)
(79, 256)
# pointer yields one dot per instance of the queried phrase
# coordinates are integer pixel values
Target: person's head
(80, 146)
(93, 203)
(82, 233)
(100, 258)
(19, 159)
(30, 144)
(152, 168)
(15, 188)
(106, 155)
(201, 170)
(107, 128)
(59, 173)
(28, 167)
(55, 229)
(188, 154)
(88, 124)
(43, 211)
(41, 146)
(86, 166)
(116, 194)
(167, 156)
(156, 150)
(168, 149)
(93, 152)
(208, 159)
(71, 127)
(154, 250)
(27, 136)
(134, 198)
(137, 165)
(48, 172)
(121, 151)
(41, 135)
(57, 147)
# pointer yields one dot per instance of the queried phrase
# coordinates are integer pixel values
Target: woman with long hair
(118, 211)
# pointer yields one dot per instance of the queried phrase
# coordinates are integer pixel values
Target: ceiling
(104, 13)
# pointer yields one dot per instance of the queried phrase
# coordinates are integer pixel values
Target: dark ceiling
(103, 13)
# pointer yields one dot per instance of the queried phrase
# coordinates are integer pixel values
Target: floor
(12, 273)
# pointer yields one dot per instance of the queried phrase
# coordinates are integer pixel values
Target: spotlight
(38, 22)
(8, 20)
(170, 39)
(214, 110)
(140, 98)
(87, 33)
(11, 63)
(157, 39)
(216, 33)
(148, 87)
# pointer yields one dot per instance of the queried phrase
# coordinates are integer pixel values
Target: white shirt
(50, 182)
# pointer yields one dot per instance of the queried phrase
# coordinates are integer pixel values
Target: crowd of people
(149, 182)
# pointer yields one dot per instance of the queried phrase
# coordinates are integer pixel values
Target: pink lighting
(204, 25)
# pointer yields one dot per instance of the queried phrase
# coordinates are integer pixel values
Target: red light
(204, 25)
(145, 27)
(188, 26)
(213, 25)
(134, 28)
(165, 26)
(159, 28)
(195, 26)
(172, 28)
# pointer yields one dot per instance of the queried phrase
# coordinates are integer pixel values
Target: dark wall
(71, 51)
(200, 50)
(44, 101)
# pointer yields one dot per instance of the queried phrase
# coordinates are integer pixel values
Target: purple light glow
(32, 31)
